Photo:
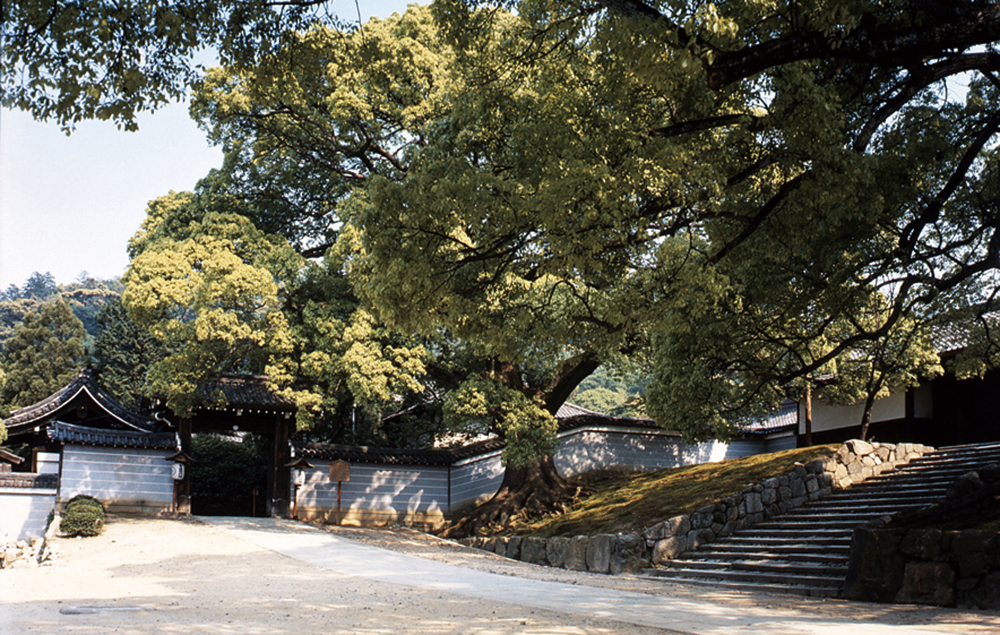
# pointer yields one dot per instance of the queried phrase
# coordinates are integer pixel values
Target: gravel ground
(183, 576)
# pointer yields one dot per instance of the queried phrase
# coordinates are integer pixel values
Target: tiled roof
(10, 457)
(25, 480)
(84, 381)
(82, 435)
(363, 454)
(786, 416)
(249, 392)
(448, 456)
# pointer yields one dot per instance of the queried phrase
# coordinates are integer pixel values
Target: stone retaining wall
(899, 559)
(854, 462)
(927, 566)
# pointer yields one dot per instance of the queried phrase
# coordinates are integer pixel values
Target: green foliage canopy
(43, 355)
(766, 193)
(97, 59)
(210, 292)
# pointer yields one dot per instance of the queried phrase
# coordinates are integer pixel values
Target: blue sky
(70, 204)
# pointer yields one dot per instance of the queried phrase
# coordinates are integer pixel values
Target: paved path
(349, 558)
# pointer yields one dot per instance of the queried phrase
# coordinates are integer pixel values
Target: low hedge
(84, 516)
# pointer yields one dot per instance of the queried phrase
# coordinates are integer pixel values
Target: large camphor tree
(566, 185)
(753, 194)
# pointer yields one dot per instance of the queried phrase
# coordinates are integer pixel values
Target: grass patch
(633, 502)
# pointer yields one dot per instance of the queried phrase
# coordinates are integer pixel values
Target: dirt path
(161, 576)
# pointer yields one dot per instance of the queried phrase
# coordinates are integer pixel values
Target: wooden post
(280, 481)
(183, 493)
(340, 471)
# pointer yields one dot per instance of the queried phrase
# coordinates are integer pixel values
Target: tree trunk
(809, 416)
(531, 491)
(866, 416)
(536, 489)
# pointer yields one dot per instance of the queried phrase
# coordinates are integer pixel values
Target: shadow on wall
(589, 450)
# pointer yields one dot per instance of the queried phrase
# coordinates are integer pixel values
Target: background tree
(225, 297)
(43, 355)
(123, 353)
(107, 60)
(211, 294)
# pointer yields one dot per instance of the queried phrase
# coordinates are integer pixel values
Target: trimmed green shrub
(84, 516)
(84, 499)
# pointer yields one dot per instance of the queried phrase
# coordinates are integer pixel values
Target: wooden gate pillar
(280, 475)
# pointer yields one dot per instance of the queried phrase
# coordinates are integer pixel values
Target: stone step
(770, 542)
(806, 523)
(842, 548)
(709, 567)
(930, 474)
(798, 589)
(953, 461)
(838, 570)
(819, 559)
(893, 495)
(988, 445)
(758, 532)
(759, 577)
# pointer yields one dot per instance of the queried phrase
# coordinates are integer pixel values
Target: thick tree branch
(969, 25)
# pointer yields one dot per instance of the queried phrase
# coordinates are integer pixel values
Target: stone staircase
(806, 550)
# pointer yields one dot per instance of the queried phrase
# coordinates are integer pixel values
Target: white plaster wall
(121, 476)
(830, 416)
(399, 488)
(24, 511)
(588, 449)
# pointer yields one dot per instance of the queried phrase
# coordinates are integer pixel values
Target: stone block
(840, 471)
(669, 548)
(754, 503)
(556, 549)
(656, 532)
(514, 547)
(812, 483)
(987, 594)
(785, 493)
(699, 537)
(859, 447)
(843, 454)
(973, 551)
(500, 548)
(700, 520)
(533, 550)
(816, 466)
(798, 487)
(799, 470)
(772, 483)
(769, 495)
(676, 525)
(599, 550)
(576, 553)
(928, 583)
